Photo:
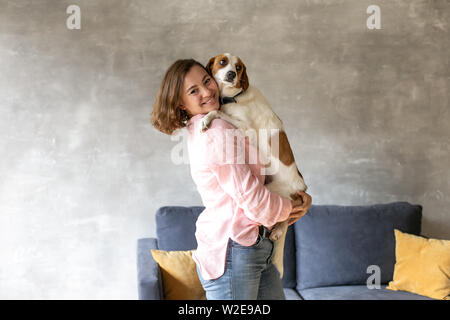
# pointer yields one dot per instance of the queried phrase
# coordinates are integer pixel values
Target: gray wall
(82, 170)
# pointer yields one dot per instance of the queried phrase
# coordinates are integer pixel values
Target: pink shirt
(232, 190)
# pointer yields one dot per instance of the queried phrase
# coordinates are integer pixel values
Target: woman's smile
(211, 100)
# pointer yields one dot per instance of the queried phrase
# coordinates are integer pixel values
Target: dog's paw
(275, 234)
(206, 120)
(204, 123)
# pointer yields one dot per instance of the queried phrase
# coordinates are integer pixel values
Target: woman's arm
(259, 204)
(223, 155)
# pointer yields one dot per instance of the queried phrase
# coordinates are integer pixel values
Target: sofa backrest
(175, 230)
(336, 244)
(175, 227)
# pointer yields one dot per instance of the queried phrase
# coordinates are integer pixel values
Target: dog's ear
(209, 65)
(244, 78)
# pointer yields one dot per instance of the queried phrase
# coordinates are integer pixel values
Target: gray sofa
(327, 252)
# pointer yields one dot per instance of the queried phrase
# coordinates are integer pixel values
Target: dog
(246, 108)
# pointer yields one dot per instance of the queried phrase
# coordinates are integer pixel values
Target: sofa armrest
(149, 274)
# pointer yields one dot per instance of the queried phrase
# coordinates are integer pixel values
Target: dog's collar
(225, 100)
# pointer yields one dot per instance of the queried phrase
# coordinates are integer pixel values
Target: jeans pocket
(203, 281)
(258, 241)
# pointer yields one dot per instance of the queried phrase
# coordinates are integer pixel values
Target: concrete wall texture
(83, 171)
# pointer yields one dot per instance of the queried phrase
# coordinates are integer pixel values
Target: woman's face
(200, 92)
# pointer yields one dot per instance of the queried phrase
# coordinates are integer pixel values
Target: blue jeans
(249, 274)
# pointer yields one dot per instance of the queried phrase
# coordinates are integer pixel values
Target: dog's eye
(223, 62)
(238, 68)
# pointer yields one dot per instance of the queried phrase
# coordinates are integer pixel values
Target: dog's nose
(230, 75)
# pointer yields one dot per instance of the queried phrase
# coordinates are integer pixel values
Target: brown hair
(167, 116)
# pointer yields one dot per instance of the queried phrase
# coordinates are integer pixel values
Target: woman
(234, 251)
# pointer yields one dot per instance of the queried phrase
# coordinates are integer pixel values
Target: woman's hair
(167, 116)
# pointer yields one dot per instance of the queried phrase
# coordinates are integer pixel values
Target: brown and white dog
(246, 108)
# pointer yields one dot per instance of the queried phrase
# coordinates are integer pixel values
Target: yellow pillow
(179, 275)
(422, 266)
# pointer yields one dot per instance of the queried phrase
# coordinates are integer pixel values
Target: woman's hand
(299, 207)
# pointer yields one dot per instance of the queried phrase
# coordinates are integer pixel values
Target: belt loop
(264, 232)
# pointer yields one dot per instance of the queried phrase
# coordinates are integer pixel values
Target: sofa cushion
(175, 230)
(179, 275)
(291, 294)
(422, 266)
(336, 244)
(175, 227)
(357, 293)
